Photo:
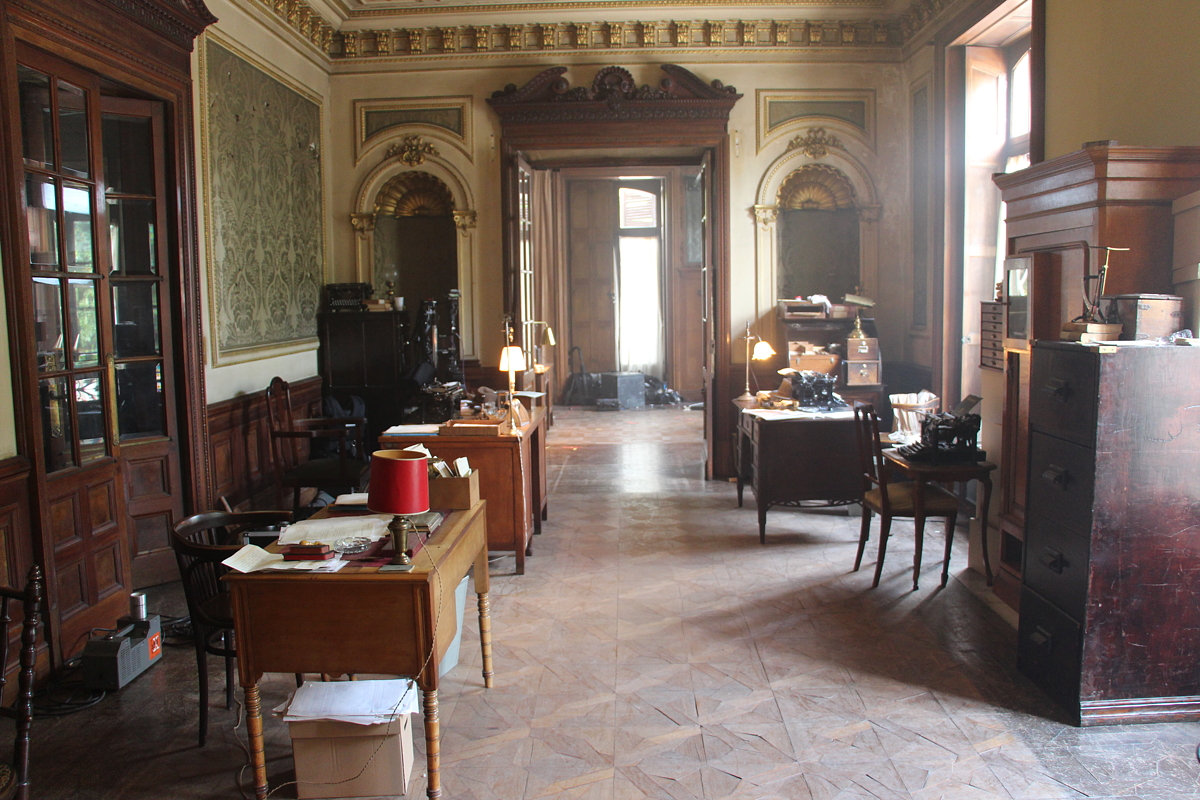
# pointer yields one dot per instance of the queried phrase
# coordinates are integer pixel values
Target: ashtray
(350, 545)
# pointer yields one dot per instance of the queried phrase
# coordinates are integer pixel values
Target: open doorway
(633, 272)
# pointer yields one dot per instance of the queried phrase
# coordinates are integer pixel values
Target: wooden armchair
(291, 441)
(14, 778)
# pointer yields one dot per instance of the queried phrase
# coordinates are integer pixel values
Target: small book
(290, 556)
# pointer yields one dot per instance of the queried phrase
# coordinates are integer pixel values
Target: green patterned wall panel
(265, 210)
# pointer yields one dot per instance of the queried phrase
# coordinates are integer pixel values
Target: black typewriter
(946, 438)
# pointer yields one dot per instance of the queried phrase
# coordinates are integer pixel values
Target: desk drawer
(1048, 648)
(1056, 564)
(862, 373)
(1062, 393)
(1061, 482)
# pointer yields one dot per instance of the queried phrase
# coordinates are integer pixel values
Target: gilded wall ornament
(362, 223)
(464, 221)
(411, 151)
(816, 143)
(765, 216)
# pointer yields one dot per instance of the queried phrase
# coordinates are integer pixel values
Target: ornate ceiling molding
(613, 95)
(595, 5)
(301, 18)
(633, 35)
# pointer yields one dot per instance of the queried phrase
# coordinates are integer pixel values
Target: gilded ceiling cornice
(598, 5)
(735, 34)
(608, 36)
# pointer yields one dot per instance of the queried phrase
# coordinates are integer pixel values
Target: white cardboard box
(341, 759)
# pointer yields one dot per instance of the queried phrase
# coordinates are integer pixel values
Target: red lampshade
(399, 482)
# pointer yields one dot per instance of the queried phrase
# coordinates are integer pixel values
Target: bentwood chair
(890, 499)
(14, 778)
(291, 442)
(201, 542)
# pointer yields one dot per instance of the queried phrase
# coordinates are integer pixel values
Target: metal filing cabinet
(1112, 543)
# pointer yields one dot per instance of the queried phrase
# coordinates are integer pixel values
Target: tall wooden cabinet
(1057, 211)
(362, 354)
(1109, 617)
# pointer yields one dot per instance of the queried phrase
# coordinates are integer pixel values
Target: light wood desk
(512, 478)
(360, 621)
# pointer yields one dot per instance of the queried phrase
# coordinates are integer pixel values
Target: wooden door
(84, 527)
(686, 238)
(138, 268)
(591, 270)
(708, 316)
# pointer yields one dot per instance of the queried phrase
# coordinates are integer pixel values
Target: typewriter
(947, 438)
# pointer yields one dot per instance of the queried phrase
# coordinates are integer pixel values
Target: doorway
(633, 272)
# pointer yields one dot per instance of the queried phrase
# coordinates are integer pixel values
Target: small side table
(946, 473)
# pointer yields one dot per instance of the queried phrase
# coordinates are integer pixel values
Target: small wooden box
(1146, 316)
(862, 349)
(469, 427)
(862, 373)
(452, 493)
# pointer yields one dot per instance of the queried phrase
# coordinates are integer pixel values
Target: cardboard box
(329, 755)
(454, 492)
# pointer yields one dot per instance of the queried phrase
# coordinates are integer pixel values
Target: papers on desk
(804, 413)
(358, 702)
(414, 430)
(329, 531)
(253, 558)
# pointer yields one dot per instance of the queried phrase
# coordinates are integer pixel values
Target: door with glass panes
(95, 210)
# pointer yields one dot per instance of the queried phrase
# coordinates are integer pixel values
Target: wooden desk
(796, 461)
(943, 473)
(512, 478)
(362, 621)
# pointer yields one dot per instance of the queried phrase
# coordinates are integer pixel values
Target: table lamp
(762, 351)
(547, 340)
(399, 486)
(512, 361)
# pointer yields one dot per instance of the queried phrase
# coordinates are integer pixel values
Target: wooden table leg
(485, 637)
(986, 480)
(919, 525)
(254, 728)
(433, 745)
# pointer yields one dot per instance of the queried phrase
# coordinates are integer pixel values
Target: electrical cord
(65, 693)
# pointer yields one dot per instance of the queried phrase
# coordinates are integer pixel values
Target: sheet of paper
(420, 448)
(352, 499)
(328, 531)
(412, 429)
(252, 558)
(462, 467)
(533, 395)
(360, 702)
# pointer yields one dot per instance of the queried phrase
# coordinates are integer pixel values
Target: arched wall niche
(429, 184)
(813, 169)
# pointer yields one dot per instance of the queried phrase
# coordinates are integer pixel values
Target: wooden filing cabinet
(1109, 621)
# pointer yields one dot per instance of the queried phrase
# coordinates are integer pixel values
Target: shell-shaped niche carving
(415, 194)
(816, 187)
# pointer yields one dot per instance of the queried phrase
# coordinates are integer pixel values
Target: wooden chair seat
(938, 501)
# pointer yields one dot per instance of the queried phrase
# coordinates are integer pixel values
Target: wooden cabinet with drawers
(1110, 626)
(991, 335)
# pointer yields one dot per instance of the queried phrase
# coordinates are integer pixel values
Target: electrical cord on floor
(65, 693)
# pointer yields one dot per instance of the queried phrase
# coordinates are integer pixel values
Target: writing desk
(922, 474)
(512, 477)
(362, 621)
(796, 460)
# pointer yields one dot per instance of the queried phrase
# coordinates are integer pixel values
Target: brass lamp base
(399, 528)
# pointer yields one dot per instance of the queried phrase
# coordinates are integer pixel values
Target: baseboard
(1185, 708)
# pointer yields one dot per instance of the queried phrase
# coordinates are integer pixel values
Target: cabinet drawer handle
(1053, 560)
(1059, 389)
(1057, 476)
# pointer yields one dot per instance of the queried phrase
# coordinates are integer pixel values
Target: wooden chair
(14, 778)
(895, 499)
(201, 542)
(293, 466)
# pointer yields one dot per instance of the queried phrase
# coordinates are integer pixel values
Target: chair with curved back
(201, 542)
(294, 468)
(891, 499)
(14, 778)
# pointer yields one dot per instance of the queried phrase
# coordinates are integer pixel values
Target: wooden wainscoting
(16, 556)
(240, 444)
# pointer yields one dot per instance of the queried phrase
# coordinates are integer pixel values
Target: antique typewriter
(947, 438)
(347, 296)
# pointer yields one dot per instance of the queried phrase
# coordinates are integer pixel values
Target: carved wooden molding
(181, 21)
(613, 95)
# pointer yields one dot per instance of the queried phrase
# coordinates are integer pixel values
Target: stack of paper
(253, 558)
(329, 531)
(359, 702)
